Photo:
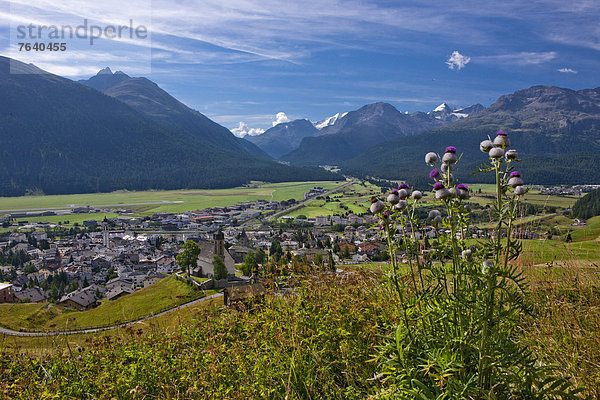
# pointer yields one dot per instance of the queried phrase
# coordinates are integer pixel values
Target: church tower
(219, 239)
(105, 241)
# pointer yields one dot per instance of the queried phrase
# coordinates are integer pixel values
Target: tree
(318, 260)
(260, 256)
(220, 270)
(276, 251)
(249, 265)
(331, 261)
(188, 258)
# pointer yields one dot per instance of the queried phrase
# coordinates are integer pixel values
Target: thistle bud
(402, 204)
(403, 190)
(450, 155)
(511, 154)
(520, 190)
(417, 195)
(486, 146)
(487, 267)
(496, 153)
(462, 191)
(446, 167)
(376, 205)
(434, 213)
(441, 193)
(515, 180)
(437, 219)
(466, 253)
(449, 175)
(501, 140)
(431, 158)
(393, 197)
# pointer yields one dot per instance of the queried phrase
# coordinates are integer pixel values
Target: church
(205, 259)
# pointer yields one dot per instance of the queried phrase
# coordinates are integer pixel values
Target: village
(112, 257)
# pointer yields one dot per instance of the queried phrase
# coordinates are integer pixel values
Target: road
(305, 202)
(106, 328)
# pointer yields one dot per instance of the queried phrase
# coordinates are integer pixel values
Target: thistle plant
(460, 297)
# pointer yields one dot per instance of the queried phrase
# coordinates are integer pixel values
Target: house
(208, 251)
(39, 235)
(81, 300)
(238, 252)
(152, 279)
(346, 246)
(7, 293)
(33, 295)
(17, 237)
(321, 220)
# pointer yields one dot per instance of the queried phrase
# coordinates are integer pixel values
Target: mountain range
(555, 130)
(61, 136)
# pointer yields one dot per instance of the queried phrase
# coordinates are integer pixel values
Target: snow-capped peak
(329, 121)
(442, 107)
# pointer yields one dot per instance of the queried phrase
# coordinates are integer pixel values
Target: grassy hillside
(165, 294)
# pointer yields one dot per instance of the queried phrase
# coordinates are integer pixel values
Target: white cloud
(243, 129)
(522, 58)
(457, 61)
(567, 70)
(280, 118)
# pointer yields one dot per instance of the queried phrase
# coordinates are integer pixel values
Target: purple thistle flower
(380, 227)
(501, 140)
(404, 186)
(394, 191)
(502, 133)
(434, 174)
(438, 186)
(450, 149)
(462, 186)
(515, 173)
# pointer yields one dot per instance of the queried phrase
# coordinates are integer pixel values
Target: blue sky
(247, 60)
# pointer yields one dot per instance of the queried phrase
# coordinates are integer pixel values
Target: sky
(249, 64)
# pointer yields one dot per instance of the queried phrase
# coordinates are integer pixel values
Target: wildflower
(393, 197)
(431, 158)
(462, 191)
(417, 195)
(450, 155)
(520, 190)
(434, 213)
(496, 153)
(441, 193)
(501, 140)
(404, 190)
(376, 205)
(435, 174)
(401, 205)
(511, 154)
(486, 146)
(515, 179)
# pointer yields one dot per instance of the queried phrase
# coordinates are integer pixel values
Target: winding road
(106, 328)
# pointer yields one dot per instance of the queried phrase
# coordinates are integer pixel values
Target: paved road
(305, 202)
(106, 328)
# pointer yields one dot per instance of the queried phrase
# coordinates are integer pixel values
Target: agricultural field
(171, 201)
(165, 294)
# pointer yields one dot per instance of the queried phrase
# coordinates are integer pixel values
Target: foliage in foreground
(461, 305)
(315, 343)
